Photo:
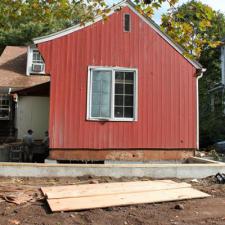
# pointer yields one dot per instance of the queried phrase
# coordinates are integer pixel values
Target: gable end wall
(166, 88)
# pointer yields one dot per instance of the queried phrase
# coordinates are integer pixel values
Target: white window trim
(89, 91)
(30, 61)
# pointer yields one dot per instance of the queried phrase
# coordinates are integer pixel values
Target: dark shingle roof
(13, 69)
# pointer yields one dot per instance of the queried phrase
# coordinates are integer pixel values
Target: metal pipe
(199, 76)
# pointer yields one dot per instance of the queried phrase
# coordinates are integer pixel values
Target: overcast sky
(215, 4)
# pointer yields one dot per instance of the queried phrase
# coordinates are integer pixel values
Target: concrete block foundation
(157, 171)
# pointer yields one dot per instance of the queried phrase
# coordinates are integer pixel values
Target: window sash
(36, 58)
(102, 103)
(134, 94)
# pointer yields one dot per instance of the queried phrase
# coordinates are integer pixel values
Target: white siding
(32, 113)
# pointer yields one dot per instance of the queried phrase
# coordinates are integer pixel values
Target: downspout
(199, 75)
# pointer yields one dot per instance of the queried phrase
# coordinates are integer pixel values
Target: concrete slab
(139, 170)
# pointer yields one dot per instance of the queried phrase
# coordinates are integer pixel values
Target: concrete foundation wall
(121, 154)
(139, 170)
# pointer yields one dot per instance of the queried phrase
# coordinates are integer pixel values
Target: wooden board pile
(89, 196)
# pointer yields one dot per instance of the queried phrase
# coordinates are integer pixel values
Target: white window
(112, 94)
(35, 62)
(4, 107)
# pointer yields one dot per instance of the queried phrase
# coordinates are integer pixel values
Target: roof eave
(132, 6)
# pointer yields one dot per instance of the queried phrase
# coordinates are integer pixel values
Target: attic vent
(127, 22)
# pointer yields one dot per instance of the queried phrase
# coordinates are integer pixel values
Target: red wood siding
(166, 88)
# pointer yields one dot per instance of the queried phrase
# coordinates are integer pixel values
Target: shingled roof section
(13, 69)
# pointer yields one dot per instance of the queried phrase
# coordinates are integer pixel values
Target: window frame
(89, 93)
(5, 97)
(29, 70)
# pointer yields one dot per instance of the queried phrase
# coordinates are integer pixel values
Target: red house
(121, 89)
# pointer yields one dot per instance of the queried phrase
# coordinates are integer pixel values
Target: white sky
(215, 4)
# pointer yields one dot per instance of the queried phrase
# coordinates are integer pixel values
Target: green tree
(22, 20)
(192, 25)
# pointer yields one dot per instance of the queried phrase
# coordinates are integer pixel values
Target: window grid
(127, 108)
(37, 57)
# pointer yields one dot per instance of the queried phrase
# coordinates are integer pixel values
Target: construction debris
(100, 195)
(18, 194)
(220, 178)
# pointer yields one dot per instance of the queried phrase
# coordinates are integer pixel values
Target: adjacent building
(20, 67)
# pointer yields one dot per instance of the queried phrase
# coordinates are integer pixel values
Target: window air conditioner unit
(37, 67)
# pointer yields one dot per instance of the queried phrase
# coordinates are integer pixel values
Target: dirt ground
(36, 212)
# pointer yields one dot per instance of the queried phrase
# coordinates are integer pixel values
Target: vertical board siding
(166, 88)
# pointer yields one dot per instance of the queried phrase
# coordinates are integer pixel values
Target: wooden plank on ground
(85, 190)
(69, 204)
(68, 187)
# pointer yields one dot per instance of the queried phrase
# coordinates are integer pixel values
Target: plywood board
(69, 204)
(73, 191)
(47, 190)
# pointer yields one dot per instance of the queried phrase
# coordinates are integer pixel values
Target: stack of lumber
(89, 196)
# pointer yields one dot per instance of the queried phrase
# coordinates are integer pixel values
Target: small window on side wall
(127, 23)
(35, 62)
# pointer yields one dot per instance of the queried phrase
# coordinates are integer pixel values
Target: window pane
(128, 112)
(95, 111)
(119, 100)
(37, 57)
(105, 99)
(105, 111)
(119, 77)
(34, 56)
(124, 94)
(96, 97)
(129, 100)
(129, 88)
(119, 88)
(118, 111)
(129, 76)
(106, 86)
(96, 86)
(101, 94)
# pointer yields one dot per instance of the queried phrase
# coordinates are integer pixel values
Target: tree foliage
(194, 26)
(21, 20)
(150, 6)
